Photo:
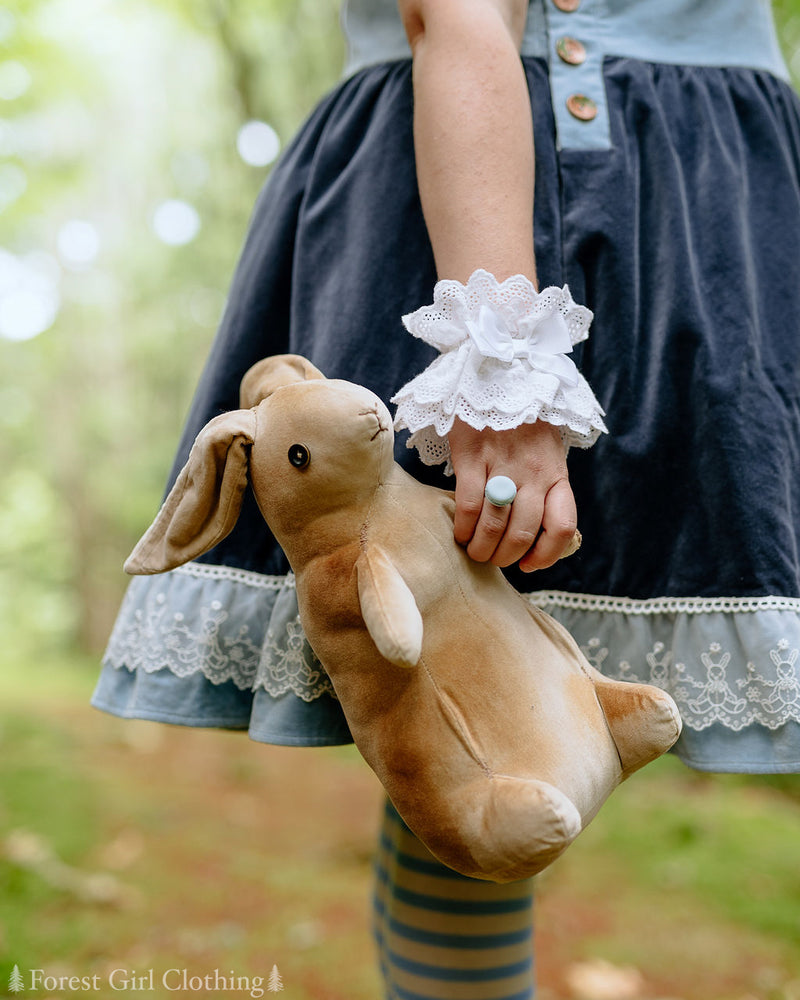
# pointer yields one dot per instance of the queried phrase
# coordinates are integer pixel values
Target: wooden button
(581, 106)
(567, 5)
(571, 50)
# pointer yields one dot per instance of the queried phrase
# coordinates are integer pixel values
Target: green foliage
(39, 778)
(128, 104)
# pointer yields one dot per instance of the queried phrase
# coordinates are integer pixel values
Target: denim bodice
(721, 33)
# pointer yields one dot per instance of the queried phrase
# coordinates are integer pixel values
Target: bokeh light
(258, 143)
(29, 294)
(78, 243)
(8, 24)
(176, 222)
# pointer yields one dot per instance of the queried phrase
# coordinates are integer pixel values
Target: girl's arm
(473, 139)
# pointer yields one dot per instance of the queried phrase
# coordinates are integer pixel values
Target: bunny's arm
(388, 607)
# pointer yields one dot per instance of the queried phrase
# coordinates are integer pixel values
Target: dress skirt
(677, 222)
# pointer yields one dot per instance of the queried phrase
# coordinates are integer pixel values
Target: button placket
(575, 33)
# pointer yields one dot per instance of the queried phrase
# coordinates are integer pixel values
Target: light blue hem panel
(194, 701)
(754, 750)
(722, 33)
(158, 695)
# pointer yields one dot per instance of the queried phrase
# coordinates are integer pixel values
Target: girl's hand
(539, 525)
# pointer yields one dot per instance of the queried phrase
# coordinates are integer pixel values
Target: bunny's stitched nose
(374, 412)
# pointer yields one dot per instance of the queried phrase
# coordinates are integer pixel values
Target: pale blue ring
(500, 491)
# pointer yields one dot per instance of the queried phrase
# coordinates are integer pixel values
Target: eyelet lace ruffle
(503, 363)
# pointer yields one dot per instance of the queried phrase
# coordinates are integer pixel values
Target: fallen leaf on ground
(600, 980)
(34, 853)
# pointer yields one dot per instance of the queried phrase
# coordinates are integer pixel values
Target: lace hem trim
(206, 571)
(720, 661)
(547, 599)
(226, 624)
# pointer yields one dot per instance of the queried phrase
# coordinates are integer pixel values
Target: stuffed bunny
(494, 737)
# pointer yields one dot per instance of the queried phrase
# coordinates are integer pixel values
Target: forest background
(134, 138)
(124, 199)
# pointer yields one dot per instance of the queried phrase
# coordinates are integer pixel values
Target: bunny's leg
(644, 720)
(443, 936)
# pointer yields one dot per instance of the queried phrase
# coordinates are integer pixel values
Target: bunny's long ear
(273, 373)
(203, 505)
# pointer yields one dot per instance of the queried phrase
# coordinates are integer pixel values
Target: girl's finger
(470, 483)
(559, 521)
(489, 531)
(522, 528)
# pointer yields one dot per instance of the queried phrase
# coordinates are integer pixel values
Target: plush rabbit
(494, 737)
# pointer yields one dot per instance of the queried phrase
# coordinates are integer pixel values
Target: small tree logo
(15, 983)
(275, 982)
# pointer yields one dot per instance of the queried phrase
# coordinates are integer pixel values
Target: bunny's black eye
(299, 456)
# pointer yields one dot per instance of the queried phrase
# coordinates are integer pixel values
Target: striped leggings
(442, 936)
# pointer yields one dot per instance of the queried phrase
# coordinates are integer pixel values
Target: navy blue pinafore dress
(668, 198)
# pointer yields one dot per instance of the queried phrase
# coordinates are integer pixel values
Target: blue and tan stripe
(443, 936)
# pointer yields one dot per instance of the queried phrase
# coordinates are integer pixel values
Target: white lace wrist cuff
(503, 363)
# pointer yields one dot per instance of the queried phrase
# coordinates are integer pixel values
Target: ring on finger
(500, 491)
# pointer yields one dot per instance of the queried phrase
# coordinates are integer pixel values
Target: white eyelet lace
(503, 363)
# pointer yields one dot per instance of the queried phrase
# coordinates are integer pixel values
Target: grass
(137, 846)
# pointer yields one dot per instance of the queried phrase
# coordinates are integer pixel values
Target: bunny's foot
(507, 829)
(643, 720)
